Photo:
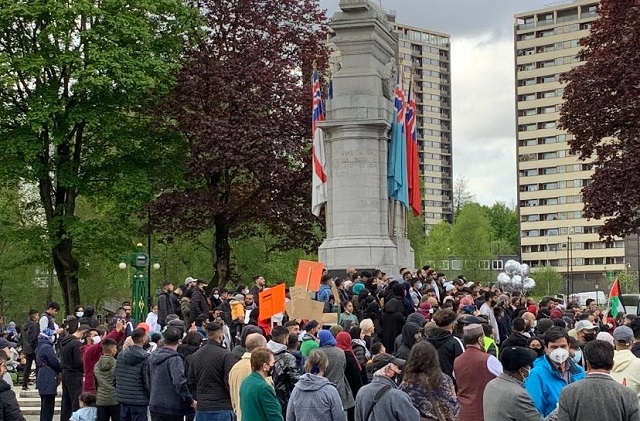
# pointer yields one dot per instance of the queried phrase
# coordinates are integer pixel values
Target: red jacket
(90, 356)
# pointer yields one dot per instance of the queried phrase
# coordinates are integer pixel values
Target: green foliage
(76, 79)
(628, 282)
(417, 238)
(439, 245)
(471, 240)
(504, 229)
(548, 281)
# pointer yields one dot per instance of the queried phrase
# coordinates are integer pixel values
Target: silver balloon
(517, 281)
(528, 284)
(525, 270)
(503, 278)
(512, 267)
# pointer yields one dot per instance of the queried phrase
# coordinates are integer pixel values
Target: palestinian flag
(615, 306)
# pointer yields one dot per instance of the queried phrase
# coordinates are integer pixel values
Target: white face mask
(559, 355)
(96, 339)
(577, 357)
(79, 314)
(216, 296)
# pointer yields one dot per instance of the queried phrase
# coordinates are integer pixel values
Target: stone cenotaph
(364, 228)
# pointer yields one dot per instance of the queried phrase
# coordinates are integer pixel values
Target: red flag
(413, 173)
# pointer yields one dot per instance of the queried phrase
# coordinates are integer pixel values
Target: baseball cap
(623, 334)
(515, 357)
(382, 360)
(6, 344)
(584, 325)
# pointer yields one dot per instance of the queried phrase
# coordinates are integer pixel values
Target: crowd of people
(412, 347)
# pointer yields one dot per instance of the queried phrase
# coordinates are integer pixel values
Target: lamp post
(140, 282)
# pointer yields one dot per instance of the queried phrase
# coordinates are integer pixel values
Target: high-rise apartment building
(427, 55)
(553, 231)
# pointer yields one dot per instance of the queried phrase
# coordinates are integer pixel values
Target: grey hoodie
(314, 398)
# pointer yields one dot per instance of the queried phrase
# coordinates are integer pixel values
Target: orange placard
(237, 310)
(271, 301)
(309, 275)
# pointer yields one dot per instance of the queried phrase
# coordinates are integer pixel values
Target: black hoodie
(448, 347)
(9, 404)
(70, 356)
(409, 332)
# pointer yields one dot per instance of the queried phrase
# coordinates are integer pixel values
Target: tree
(548, 281)
(438, 244)
(243, 104)
(504, 228)
(76, 77)
(461, 194)
(471, 240)
(602, 112)
(417, 238)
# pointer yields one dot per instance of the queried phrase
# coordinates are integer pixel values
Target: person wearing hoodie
(362, 353)
(324, 293)
(411, 333)
(105, 382)
(393, 316)
(449, 347)
(336, 371)
(92, 352)
(72, 369)
(626, 366)
(48, 376)
(166, 305)
(239, 350)
(29, 342)
(170, 398)
(315, 398)
(415, 318)
(9, 407)
(353, 369)
(285, 374)
(132, 379)
(309, 338)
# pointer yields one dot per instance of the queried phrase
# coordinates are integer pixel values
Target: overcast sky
(484, 146)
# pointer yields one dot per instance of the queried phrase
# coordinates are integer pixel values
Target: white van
(582, 297)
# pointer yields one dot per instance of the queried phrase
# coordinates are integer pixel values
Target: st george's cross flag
(319, 183)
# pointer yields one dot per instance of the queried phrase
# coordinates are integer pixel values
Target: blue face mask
(418, 286)
(80, 314)
(577, 357)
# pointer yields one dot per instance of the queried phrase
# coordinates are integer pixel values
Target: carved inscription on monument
(346, 161)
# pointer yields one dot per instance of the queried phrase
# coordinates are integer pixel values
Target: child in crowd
(87, 411)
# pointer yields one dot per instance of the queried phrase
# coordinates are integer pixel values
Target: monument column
(359, 227)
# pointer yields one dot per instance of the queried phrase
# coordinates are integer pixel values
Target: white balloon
(504, 278)
(525, 269)
(512, 267)
(528, 284)
(517, 281)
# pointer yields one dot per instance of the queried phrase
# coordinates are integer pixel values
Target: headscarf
(344, 343)
(326, 338)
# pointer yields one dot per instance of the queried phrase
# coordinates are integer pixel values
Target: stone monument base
(366, 252)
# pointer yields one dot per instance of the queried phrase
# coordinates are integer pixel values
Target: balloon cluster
(516, 277)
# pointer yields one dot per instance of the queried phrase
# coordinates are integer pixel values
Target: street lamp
(140, 282)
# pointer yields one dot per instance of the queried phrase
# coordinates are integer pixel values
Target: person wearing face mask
(575, 352)
(382, 396)
(537, 344)
(258, 400)
(416, 291)
(487, 310)
(552, 373)
(585, 331)
(509, 387)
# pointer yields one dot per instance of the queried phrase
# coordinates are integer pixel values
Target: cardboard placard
(304, 310)
(298, 293)
(329, 318)
(271, 301)
(309, 275)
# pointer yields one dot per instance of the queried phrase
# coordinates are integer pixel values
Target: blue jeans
(222, 415)
(133, 412)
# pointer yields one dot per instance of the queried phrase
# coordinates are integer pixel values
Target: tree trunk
(222, 251)
(67, 272)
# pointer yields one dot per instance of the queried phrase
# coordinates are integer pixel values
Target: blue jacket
(169, 391)
(48, 368)
(324, 294)
(545, 383)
